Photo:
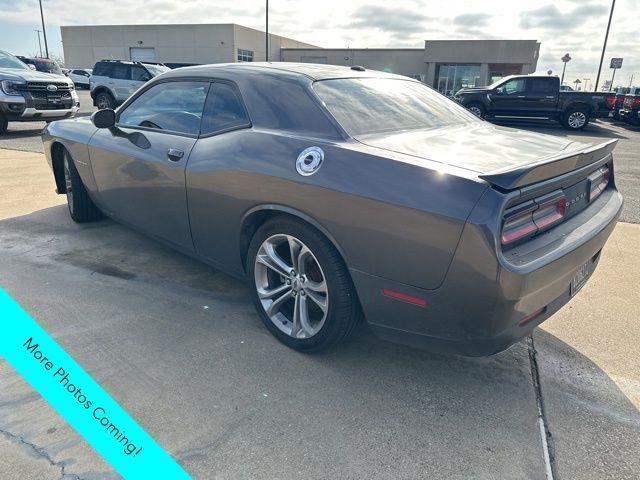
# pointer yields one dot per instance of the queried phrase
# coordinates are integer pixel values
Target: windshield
(156, 70)
(47, 66)
(374, 105)
(9, 61)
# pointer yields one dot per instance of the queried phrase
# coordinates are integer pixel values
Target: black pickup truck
(538, 98)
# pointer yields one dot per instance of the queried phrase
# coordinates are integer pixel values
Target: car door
(120, 81)
(541, 97)
(139, 76)
(224, 123)
(139, 165)
(508, 100)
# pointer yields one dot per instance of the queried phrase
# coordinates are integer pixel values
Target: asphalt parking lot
(179, 346)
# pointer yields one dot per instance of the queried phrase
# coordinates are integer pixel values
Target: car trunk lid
(504, 157)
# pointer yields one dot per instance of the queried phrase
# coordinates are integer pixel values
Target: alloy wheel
(577, 119)
(291, 286)
(476, 111)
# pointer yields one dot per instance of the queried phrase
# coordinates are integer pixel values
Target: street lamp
(44, 33)
(266, 33)
(566, 59)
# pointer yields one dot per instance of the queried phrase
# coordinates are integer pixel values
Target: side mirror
(104, 118)
(499, 91)
(145, 78)
(31, 66)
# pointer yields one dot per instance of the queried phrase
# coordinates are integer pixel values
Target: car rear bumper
(480, 308)
(630, 116)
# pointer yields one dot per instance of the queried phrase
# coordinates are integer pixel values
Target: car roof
(311, 70)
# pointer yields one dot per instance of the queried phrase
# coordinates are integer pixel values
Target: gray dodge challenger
(341, 193)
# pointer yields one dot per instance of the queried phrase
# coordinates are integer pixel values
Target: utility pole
(266, 36)
(44, 33)
(604, 46)
(631, 81)
(39, 44)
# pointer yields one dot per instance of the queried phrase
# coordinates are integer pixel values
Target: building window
(245, 55)
(451, 78)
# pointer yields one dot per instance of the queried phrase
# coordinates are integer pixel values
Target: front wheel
(300, 286)
(81, 207)
(477, 109)
(576, 119)
(105, 101)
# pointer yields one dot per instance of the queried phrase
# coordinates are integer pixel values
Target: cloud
(472, 19)
(399, 22)
(551, 18)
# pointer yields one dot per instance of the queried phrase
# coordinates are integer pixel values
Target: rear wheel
(477, 109)
(105, 101)
(300, 286)
(576, 119)
(81, 207)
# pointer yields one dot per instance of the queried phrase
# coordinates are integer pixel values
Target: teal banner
(79, 399)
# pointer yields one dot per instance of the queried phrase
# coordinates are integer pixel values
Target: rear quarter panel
(388, 217)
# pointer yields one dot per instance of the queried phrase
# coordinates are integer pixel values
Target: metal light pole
(44, 33)
(604, 46)
(39, 44)
(266, 36)
(565, 59)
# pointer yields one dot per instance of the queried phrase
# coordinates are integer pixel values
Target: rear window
(375, 105)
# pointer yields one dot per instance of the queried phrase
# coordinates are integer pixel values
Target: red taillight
(598, 181)
(611, 100)
(636, 102)
(519, 224)
(533, 217)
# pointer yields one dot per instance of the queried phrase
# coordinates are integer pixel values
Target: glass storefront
(453, 77)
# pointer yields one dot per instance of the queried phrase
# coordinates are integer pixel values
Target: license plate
(54, 100)
(580, 278)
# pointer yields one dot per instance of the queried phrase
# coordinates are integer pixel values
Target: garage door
(140, 54)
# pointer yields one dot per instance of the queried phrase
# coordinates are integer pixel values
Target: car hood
(29, 75)
(479, 147)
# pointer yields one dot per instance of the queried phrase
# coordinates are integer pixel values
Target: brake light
(533, 217)
(598, 181)
(519, 224)
(635, 102)
(611, 100)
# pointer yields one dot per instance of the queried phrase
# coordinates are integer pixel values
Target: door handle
(521, 96)
(550, 96)
(174, 155)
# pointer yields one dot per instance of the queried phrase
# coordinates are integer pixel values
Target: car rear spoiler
(549, 167)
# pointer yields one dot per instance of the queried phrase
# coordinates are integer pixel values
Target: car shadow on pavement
(179, 344)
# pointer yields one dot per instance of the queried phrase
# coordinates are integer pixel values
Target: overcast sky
(574, 26)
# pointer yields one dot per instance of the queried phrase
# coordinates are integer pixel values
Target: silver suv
(113, 81)
(30, 96)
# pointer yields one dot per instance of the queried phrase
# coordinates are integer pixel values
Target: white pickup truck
(30, 96)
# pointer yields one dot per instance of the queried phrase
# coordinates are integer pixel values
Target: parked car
(630, 111)
(536, 98)
(44, 65)
(80, 77)
(113, 81)
(619, 101)
(27, 95)
(335, 190)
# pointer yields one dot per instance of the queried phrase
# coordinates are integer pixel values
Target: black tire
(575, 118)
(105, 100)
(343, 313)
(81, 207)
(477, 109)
(4, 124)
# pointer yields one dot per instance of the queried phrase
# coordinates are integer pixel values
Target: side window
(517, 85)
(169, 106)
(223, 110)
(544, 86)
(103, 69)
(120, 71)
(139, 73)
